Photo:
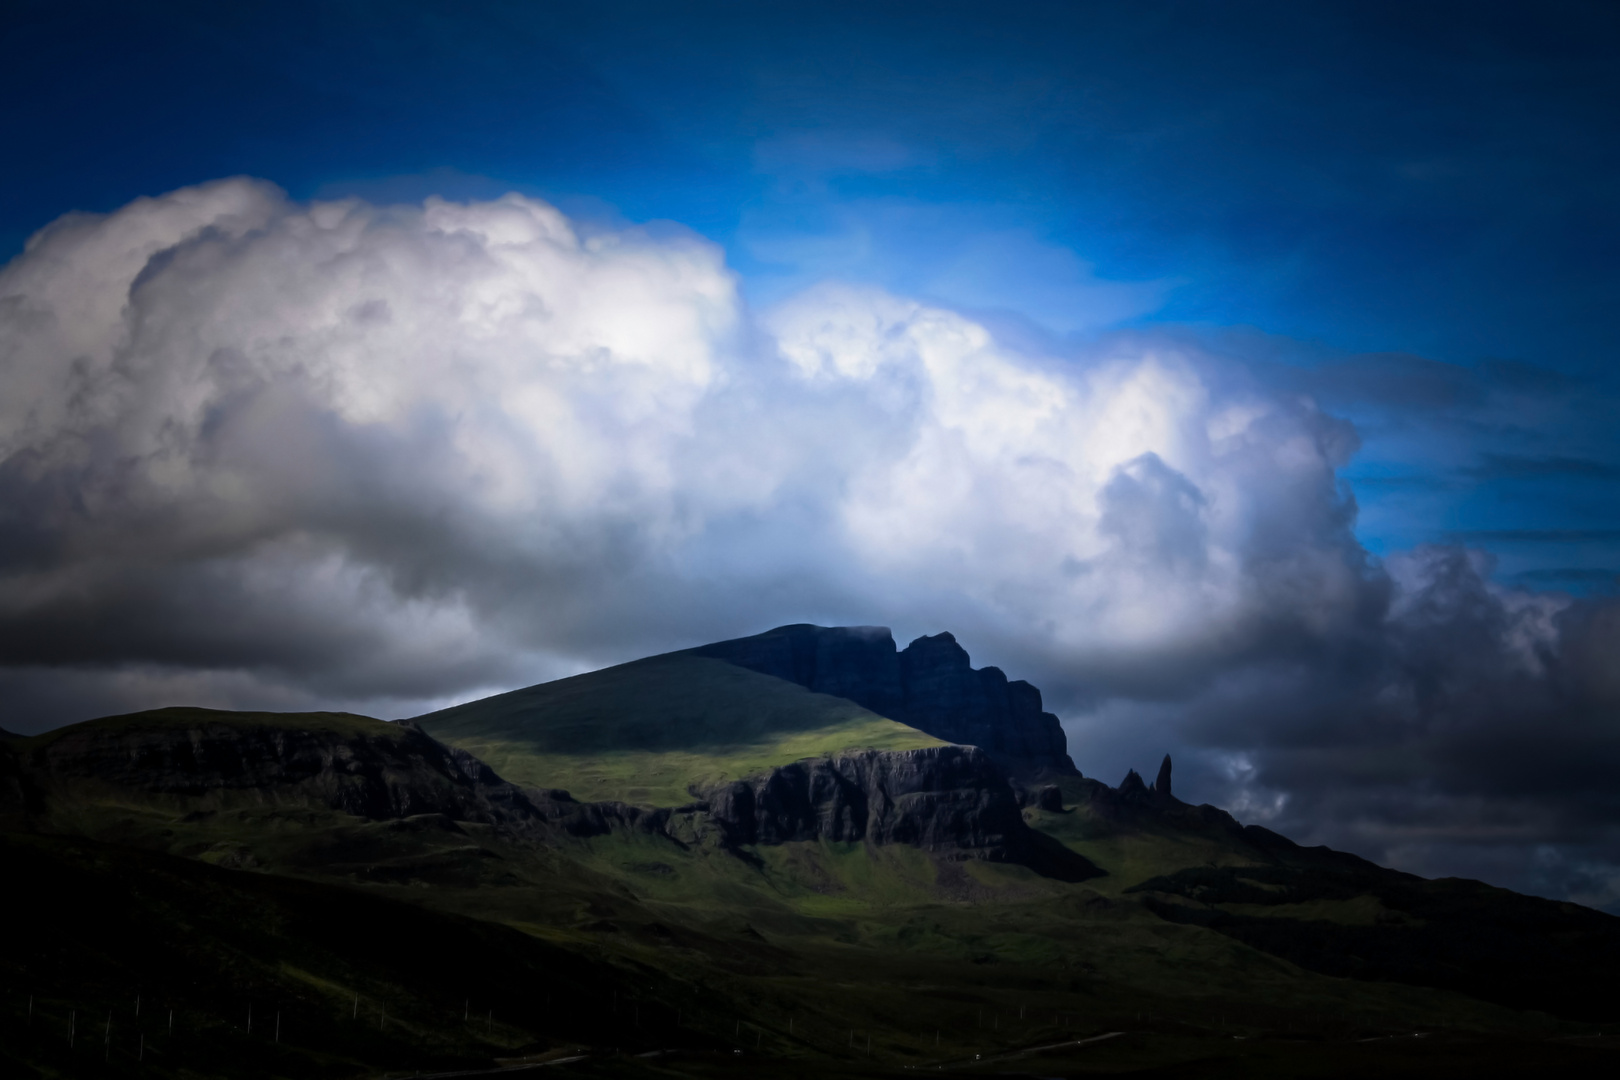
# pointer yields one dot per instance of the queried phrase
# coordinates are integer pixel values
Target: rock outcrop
(930, 685)
(201, 759)
(952, 801)
(1136, 803)
(1133, 786)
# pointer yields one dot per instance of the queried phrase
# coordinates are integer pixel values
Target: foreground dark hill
(739, 862)
(130, 962)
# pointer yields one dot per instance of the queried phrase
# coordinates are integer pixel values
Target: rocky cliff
(930, 685)
(201, 759)
(952, 801)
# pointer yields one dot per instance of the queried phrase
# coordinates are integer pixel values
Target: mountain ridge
(931, 685)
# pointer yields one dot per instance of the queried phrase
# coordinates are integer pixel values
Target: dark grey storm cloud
(1468, 729)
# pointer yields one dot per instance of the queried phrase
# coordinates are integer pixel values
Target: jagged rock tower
(1161, 786)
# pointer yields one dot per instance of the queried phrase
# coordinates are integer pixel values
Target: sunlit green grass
(656, 731)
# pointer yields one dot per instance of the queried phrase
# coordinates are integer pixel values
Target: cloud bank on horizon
(264, 452)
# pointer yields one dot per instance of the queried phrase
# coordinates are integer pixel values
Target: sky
(1242, 374)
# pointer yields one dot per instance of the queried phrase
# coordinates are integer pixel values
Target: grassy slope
(647, 731)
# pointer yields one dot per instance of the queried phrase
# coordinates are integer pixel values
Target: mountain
(729, 849)
(930, 685)
(653, 731)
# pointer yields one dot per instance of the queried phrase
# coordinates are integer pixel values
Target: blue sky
(1241, 373)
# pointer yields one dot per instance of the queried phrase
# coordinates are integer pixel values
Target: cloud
(325, 439)
(413, 451)
(262, 452)
(1030, 487)
(1477, 725)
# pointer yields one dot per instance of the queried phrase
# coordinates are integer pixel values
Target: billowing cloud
(1473, 729)
(397, 451)
(323, 440)
(259, 452)
(1130, 516)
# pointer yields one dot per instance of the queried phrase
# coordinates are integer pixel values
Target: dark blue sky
(1408, 207)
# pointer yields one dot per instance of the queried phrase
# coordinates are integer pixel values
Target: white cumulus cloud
(408, 451)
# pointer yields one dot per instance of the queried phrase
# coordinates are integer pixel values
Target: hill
(930, 685)
(140, 963)
(768, 868)
(651, 730)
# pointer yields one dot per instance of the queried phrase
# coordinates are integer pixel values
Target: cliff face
(949, 800)
(930, 685)
(944, 693)
(950, 796)
(207, 760)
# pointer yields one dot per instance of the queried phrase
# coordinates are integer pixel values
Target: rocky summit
(930, 685)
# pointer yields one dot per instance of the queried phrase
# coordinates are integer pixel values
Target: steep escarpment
(189, 764)
(203, 759)
(931, 685)
(950, 800)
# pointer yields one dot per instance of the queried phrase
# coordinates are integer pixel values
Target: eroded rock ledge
(951, 801)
